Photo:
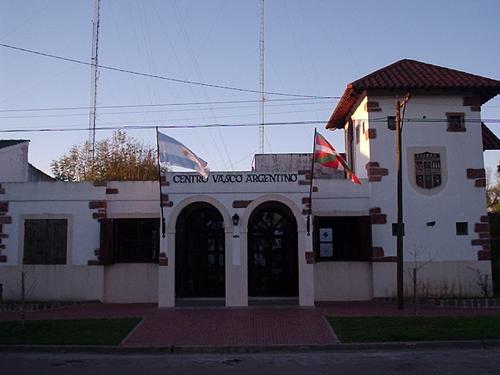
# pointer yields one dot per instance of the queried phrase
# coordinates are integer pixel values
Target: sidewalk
(237, 327)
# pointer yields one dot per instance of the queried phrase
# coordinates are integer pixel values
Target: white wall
(14, 163)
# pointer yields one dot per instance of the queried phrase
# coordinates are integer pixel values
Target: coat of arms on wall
(427, 170)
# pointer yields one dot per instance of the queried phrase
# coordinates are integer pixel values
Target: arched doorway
(272, 252)
(199, 252)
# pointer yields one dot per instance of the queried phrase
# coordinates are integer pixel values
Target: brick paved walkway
(236, 326)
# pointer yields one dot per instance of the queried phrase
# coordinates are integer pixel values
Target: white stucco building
(242, 236)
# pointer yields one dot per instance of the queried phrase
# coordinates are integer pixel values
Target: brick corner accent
(371, 133)
(386, 259)
(473, 173)
(98, 215)
(4, 206)
(167, 204)
(375, 172)
(241, 203)
(375, 210)
(371, 106)
(5, 220)
(111, 191)
(3, 259)
(2, 190)
(484, 255)
(377, 252)
(481, 227)
(163, 261)
(99, 183)
(93, 262)
(97, 204)
(378, 218)
(480, 182)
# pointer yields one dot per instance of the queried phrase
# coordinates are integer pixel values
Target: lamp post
(400, 105)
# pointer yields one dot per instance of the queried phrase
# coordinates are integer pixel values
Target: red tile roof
(406, 75)
(490, 140)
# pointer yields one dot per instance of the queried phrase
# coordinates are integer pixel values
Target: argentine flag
(173, 152)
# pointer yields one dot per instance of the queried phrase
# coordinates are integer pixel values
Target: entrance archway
(199, 252)
(272, 252)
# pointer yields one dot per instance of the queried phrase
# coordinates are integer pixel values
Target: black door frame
(272, 251)
(200, 252)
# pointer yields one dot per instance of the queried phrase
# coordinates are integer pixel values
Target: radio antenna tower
(261, 78)
(94, 75)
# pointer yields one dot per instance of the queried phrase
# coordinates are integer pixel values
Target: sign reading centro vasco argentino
(220, 178)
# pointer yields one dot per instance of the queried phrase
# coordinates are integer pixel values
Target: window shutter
(106, 253)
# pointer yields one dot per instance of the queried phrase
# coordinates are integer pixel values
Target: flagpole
(311, 186)
(159, 183)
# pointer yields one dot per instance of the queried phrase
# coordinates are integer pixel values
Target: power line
(40, 109)
(217, 125)
(171, 79)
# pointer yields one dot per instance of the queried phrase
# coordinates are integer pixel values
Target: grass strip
(66, 332)
(387, 329)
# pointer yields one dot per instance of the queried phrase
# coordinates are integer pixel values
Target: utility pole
(261, 77)
(400, 105)
(94, 75)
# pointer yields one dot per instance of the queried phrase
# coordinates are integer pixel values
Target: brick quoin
(93, 263)
(4, 206)
(111, 191)
(476, 173)
(97, 204)
(484, 219)
(480, 182)
(375, 210)
(98, 215)
(5, 220)
(481, 227)
(167, 204)
(241, 204)
(2, 190)
(481, 241)
(3, 259)
(371, 134)
(99, 183)
(484, 255)
(372, 164)
(377, 252)
(306, 200)
(378, 218)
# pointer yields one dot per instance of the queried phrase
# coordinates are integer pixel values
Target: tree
(119, 158)
(493, 192)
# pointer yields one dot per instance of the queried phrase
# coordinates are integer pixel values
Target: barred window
(428, 170)
(45, 241)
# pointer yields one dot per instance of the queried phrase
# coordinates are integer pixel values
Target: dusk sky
(312, 47)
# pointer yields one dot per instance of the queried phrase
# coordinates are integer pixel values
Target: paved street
(457, 362)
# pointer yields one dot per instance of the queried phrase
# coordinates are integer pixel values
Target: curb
(206, 349)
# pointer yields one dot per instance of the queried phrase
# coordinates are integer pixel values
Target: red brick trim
(310, 257)
(480, 182)
(303, 172)
(371, 134)
(375, 172)
(98, 215)
(306, 200)
(5, 220)
(304, 182)
(484, 255)
(378, 218)
(371, 106)
(4, 206)
(385, 259)
(163, 262)
(93, 262)
(473, 173)
(481, 227)
(2, 190)
(97, 204)
(471, 101)
(377, 252)
(167, 204)
(2, 247)
(484, 219)
(475, 109)
(3, 235)
(111, 191)
(241, 204)
(375, 210)
(315, 189)
(99, 183)
(3, 259)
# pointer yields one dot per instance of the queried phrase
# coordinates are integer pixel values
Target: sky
(312, 48)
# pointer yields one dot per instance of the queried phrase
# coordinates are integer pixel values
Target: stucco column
(166, 273)
(236, 289)
(306, 271)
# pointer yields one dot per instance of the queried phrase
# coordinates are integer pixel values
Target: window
(462, 229)
(391, 122)
(45, 241)
(428, 170)
(129, 240)
(456, 122)
(346, 238)
(357, 134)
